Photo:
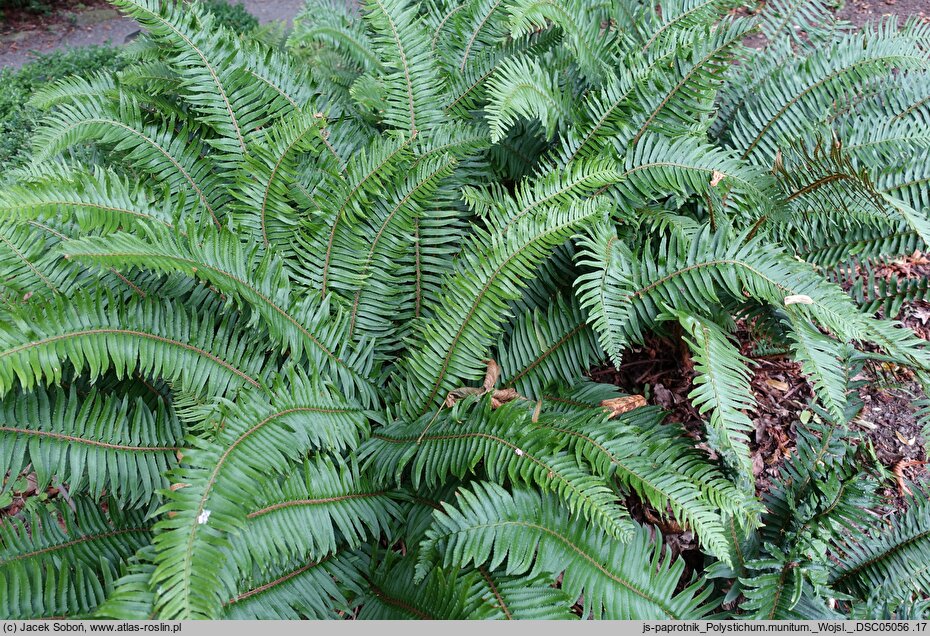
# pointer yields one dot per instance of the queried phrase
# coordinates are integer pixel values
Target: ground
(861, 11)
(85, 22)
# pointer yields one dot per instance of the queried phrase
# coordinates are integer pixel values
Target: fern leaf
(158, 339)
(458, 337)
(259, 282)
(98, 443)
(508, 445)
(214, 486)
(619, 581)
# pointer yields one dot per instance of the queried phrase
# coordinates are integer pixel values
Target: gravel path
(102, 26)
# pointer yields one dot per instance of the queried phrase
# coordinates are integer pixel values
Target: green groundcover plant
(18, 118)
(304, 332)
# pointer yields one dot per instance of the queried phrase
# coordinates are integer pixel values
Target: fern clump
(305, 331)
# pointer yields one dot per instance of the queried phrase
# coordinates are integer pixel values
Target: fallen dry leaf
(898, 471)
(621, 405)
(777, 384)
(492, 374)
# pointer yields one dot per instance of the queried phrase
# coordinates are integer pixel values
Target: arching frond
(482, 282)
(524, 532)
(212, 490)
(96, 443)
(204, 354)
(507, 444)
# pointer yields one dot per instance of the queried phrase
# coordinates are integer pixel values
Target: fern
(299, 328)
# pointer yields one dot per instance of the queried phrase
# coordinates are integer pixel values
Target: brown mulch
(662, 369)
(861, 11)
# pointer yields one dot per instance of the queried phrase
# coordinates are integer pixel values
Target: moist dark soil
(860, 12)
(60, 12)
(662, 370)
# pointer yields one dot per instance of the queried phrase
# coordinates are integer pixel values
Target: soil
(662, 369)
(86, 22)
(860, 12)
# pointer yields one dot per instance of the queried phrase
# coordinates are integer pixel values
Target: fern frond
(213, 487)
(258, 282)
(521, 88)
(619, 581)
(297, 590)
(171, 157)
(661, 467)
(412, 87)
(893, 561)
(159, 339)
(722, 387)
(547, 348)
(507, 444)
(99, 200)
(460, 333)
(344, 509)
(31, 592)
(96, 443)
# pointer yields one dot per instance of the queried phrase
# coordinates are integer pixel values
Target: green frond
(101, 200)
(686, 95)
(213, 489)
(696, 168)
(576, 182)
(893, 561)
(96, 443)
(412, 86)
(694, 273)
(33, 592)
(343, 507)
(479, 26)
(86, 537)
(490, 272)
(602, 254)
(205, 355)
(838, 244)
(73, 88)
(168, 156)
(661, 466)
(330, 246)
(224, 95)
(829, 184)
(265, 208)
(496, 596)
(327, 24)
(527, 533)
(503, 444)
(521, 88)
(823, 361)
(394, 283)
(788, 19)
(297, 590)
(258, 282)
(592, 47)
(779, 592)
(721, 386)
(394, 594)
(671, 17)
(132, 598)
(28, 254)
(801, 92)
(547, 347)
